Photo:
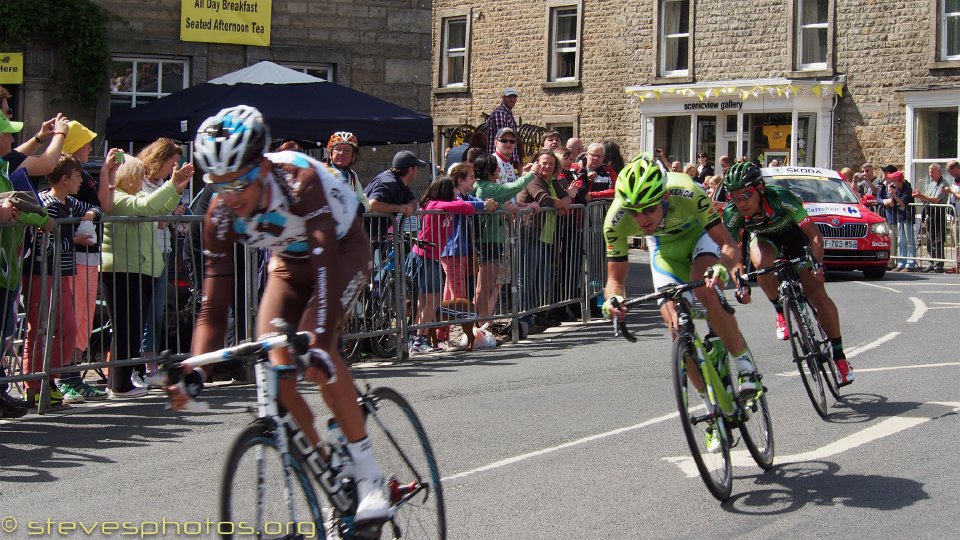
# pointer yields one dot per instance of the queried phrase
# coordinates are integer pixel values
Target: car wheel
(874, 273)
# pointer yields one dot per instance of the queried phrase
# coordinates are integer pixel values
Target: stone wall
(881, 46)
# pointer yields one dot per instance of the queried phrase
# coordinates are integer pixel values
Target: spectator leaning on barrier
(896, 196)
(490, 237)
(11, 239)
(539, 235)
(389, 192)
(458, 258)
(423, 264)
(937, 192)
(132, 261)
(59, 203)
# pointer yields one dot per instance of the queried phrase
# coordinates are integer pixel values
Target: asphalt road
(574, 434)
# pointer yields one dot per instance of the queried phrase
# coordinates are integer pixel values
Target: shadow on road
(791, 487)
(862, 408)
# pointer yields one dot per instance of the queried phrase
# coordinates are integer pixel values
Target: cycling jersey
(321, 254)
(688, 215)
(780, 210)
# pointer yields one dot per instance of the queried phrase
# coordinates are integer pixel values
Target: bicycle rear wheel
(403, 450)
(715, 466)
(757, 431)
(252, 501)
(805, 354)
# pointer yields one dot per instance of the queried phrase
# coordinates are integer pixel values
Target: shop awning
(742, 89)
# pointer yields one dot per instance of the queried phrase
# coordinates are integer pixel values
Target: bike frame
(712, 380)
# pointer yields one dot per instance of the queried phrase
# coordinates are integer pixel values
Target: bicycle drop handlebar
(673, 292)
(781, 264)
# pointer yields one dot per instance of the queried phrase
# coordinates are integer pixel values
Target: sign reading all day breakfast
(11, 68)
(242, 22)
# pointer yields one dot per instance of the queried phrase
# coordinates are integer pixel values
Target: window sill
(546, 85)
(810, 74)
(452, 90)
(944, 64)
(680, 79)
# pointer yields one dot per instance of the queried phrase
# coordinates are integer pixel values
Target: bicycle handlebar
(172, 365)
(672, 292)
(781, 264)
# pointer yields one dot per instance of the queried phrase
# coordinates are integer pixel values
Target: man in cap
(505, 145)
(389, 192)
(502, 117)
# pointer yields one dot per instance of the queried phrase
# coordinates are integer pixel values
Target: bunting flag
(744, 92)
(838, 89)
(701, 95)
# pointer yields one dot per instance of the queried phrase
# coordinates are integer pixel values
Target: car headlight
(880, 228)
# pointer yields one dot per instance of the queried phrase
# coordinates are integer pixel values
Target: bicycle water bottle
(716, 353)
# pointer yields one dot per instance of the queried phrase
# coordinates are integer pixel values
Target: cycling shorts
(316, 302)
(788, 243)
(671, 262)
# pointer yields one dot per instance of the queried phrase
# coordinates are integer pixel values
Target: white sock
(743, 362)
(365, 465)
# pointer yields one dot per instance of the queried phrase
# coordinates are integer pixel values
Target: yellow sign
(243, 22)
(11, 68)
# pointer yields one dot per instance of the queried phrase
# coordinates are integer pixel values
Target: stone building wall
(881, 46)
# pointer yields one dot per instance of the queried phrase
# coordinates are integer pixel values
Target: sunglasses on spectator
(743, 197)
(507, 141)
(238, 184)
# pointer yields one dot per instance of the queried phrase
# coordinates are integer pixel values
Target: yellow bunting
(817, 90)
(838, 90)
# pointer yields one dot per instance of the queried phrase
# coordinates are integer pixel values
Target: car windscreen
(823, 190)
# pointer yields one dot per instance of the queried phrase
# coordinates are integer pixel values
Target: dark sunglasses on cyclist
(236, 185)
(507, 141)
(743, 197)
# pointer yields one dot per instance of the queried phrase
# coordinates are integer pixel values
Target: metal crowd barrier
(935, 232)
(547, 260)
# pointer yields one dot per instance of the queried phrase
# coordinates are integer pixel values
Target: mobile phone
(119, 157)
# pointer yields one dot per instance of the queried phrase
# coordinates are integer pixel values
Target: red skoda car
(854, 237)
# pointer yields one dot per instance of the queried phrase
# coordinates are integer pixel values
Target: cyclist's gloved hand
(319, 360)
(608, 305)
(720, 273)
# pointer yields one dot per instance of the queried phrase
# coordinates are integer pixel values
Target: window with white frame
(812, 24)
(675, 38)
(320, 71)
(135, 81)
(949, 29)
(454, 51)
(564, 43)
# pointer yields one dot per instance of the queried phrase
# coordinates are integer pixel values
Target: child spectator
(59, 203)
(423, 265)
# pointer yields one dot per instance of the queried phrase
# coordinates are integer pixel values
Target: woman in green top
(132, 260)
(490, 235)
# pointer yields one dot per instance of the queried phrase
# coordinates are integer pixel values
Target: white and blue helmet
(231, 139)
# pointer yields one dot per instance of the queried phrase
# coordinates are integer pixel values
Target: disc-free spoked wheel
(252, 500)
(714, 465)
(757, 431)
(806, 355)
(406, 458)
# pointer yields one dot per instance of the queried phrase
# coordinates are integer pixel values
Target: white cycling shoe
(374, 506)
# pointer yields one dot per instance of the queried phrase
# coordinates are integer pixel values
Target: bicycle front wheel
(708, 438)
(806, 353)
(757, 431)
(403, 450)
(252, 492)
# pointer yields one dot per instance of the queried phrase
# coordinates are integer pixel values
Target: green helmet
(741, 175)
(640, 183)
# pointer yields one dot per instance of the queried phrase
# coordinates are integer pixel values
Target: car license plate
(839, 244)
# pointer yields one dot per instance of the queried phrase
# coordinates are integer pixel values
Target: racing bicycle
(272, 455)
(809, 343)
(709, 421)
